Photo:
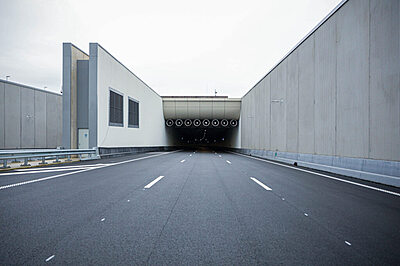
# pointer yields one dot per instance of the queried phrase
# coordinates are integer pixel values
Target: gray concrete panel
(12, 116)
(66, 79)
(278, 110)
(262, 105)
(353, 79)
(306, 96)
(243, 122)
(385, 80)
(93, 47)
(51, 121)
(2, 114)
(28, 118)
(292, 103)
(267, 114)
(83, 94)
(40, 120)
(59, 121)
(249, 119)
(325, 88)
(257, 117)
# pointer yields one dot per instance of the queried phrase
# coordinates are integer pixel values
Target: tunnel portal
(202, 120)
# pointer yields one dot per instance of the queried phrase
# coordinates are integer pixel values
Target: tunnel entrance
(202, 132)
(194, 121)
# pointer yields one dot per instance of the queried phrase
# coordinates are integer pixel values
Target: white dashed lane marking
(183, 161)
(261, 184)
(228, 162)
(305, 214)
(348, 243)
(154, 181)
(319, 174)
(49, 258)
(103, 219)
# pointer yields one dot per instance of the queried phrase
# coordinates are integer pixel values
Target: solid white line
(44, 171)
(154, 181)
(183, 161)
(261, 184)
(76, 172)
(323, 175)
(348, 243)
(59, 167)
(228, 162)
(41, 179)
(49, 258)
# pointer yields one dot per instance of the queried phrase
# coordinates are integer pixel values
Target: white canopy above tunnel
(201, 107)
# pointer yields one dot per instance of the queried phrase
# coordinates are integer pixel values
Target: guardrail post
(68, 158)
(25, 162)
(43, 160)
(5, 164)
(97, 155)
(57, 159)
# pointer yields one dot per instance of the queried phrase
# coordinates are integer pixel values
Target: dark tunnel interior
(204, 136)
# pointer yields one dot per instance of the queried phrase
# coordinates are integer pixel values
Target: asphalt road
(190, 207)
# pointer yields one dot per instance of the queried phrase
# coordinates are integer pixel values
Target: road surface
(194, 207)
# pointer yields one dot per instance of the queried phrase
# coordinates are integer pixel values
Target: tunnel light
(196, 122)
(178, 122)
(234, 123)
(224, 123)
(206, 122)
(188, 122)
(169, 123)
(277, 101)
(215, 123)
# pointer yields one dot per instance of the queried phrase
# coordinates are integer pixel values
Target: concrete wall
(106, 73)
(71, 55)
(29, 117)
(337, 93)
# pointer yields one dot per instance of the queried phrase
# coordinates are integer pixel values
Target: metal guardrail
(14, 155)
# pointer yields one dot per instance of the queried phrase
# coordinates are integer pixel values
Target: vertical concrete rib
(93, 56)
(67, 58)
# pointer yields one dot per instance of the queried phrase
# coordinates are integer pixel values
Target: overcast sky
(177, 47)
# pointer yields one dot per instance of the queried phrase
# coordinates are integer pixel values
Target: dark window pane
(133, 113)
(116, 108)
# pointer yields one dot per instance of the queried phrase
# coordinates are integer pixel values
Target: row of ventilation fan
(198, 122)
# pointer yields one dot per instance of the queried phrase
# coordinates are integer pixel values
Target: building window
(133, 117)
(116, 109)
